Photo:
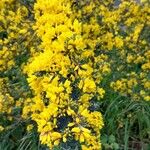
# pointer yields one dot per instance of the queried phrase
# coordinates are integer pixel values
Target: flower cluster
(130, 56)
(15, 37)
(14, 32)
(67, 78)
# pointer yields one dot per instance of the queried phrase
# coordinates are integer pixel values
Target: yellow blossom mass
(60, 60)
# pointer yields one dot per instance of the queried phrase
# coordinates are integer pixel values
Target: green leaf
(112, 139)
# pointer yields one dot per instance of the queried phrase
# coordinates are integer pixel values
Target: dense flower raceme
(67, 77)
(14, 31)
(15, 38)
(75, 47)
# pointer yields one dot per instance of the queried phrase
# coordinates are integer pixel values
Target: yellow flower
(118, 42)
(101, 92)
(55, 135)
(147, 98)
(89, 85)
(29, 127)
(1, 128)
(81, 138)
(76, 129)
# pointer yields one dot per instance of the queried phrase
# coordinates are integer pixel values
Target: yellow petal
(76, 129)
(86, 130)
(56, 142)
(64, 139)
(81, 138)
(70, 124)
